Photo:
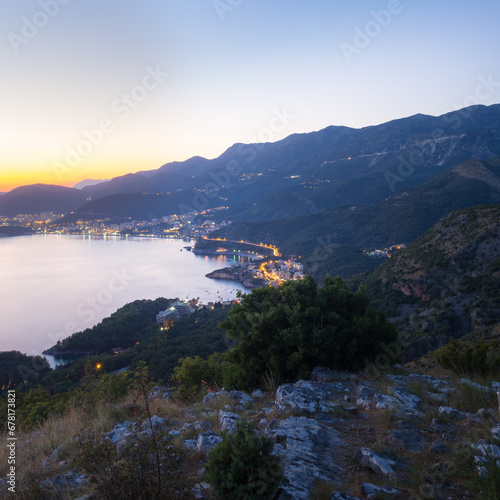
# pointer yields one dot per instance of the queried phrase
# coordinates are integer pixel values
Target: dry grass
(60, 433)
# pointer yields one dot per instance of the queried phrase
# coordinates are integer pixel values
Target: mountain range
(303, 173)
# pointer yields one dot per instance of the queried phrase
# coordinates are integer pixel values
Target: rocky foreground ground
(344, 437)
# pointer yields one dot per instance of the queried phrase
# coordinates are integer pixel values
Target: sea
(54, 285)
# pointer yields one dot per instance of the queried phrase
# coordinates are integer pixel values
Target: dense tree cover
(288, 330)
(282, 333)
(17, 368)
(130, 324)
(196, 335)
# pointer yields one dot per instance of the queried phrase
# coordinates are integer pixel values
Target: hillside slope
(331, 240)
(447, 283)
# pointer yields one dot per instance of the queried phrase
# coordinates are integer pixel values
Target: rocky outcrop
(319, 425)
(310, 397)
(309, 450)
(379, 463)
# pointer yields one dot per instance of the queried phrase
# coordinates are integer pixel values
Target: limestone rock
(207, 441)
(378, 463)
(203, 425)
(487, 450)
(227, 420)
(241, 397)
(495, 433)
(409, 403)
(310, 397)
(191, 444)
(338, 495)
(372, 491)
(309, 451)
(257, 394)
(69, 481)
(365, 397)
(449, 412)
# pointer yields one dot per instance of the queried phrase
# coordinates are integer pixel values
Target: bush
(242, 466)
(479, 359)
(134, 474)
(194, 374)
(290, 329)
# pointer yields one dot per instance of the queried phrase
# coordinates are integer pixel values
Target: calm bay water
(52, 286)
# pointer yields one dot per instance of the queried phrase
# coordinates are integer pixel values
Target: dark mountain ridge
(401, 217)
(37, 198)
(331, 167)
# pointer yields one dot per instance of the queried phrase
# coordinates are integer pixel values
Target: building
(176, 310)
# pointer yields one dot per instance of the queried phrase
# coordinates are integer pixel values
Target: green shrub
(290, 329)
(242, 466)
(478, 359)
(193, 375)
(134, 474)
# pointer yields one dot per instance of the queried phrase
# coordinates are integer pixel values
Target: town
(259, 264)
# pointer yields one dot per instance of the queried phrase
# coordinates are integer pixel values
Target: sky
(95, 89)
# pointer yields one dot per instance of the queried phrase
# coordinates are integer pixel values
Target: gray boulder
(309, 450)
(365, 397)
(373, 491)
(449, 412)
(207, 441)
(338, 495)
(378, 463)
(241, 397)
(408, 402)
(227, 421)
(310, 397)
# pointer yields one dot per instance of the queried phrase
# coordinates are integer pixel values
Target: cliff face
(448, 281)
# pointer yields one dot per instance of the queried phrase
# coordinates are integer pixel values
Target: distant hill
(88, 182)
(14, 231)
(137, 206)
(447, 283)
(329, 168)
(38, 198)
(400, 217)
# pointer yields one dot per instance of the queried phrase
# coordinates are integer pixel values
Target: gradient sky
(227, 70)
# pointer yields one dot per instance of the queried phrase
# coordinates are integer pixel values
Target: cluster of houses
(386, 252)
(280, 270)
